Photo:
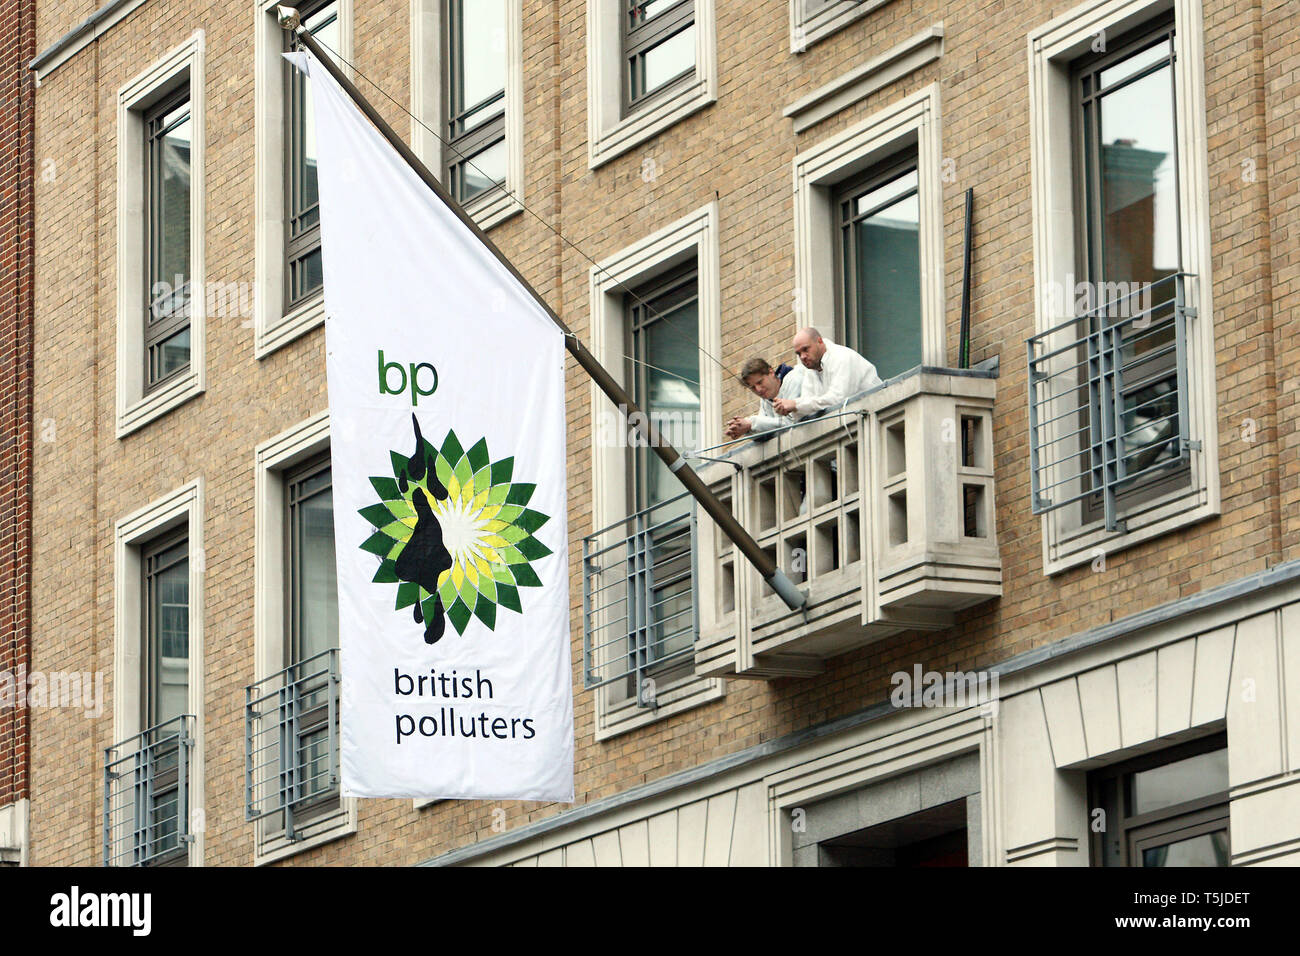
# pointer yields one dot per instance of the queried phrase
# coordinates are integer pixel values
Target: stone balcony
(883, 512)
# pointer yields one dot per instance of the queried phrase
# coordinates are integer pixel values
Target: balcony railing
(883, 511)
(146, 796)
(638, 597)
(1108, 399)
(291, 753)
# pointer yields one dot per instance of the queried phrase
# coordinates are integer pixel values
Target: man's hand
(784, 406)
(737, 427)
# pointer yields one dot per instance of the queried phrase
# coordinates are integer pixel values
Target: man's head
(810, 347)
(758, 377)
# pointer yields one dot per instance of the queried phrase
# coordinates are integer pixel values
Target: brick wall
(740, 150)
(17, 46)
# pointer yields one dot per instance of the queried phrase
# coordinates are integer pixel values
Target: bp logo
(454, 534)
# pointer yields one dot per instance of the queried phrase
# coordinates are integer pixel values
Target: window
(166, 698)
(1123, 418)
(153, 775)
(476, 96)
(1126, 144)
(161, 305)
(168, 132)
(292, 708)
(167, 640)
(664, 369)
(880, 262)
(652, 63)
(467, 79)
(1165, 809)
(302, 192)
(869, 236)
(287, 301)
(658, 47)
(312, 632)
(655, 320)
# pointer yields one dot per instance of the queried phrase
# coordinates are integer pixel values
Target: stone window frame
(895, 798)
(1052, 51)
(905, 746)
(131, 535)
(428, 106)
(137, 406)
(695, 234)
(273, 325)
(610, 131)
(819, 170)
(274, 459)
(812, 21)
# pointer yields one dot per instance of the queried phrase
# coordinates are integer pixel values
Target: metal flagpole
(774, 576)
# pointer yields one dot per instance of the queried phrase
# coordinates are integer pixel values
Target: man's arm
(833, 380)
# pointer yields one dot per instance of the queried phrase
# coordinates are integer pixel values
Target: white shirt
(791, 387)
(844, 373)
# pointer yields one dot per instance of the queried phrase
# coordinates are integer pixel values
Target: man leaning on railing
(831, 375)
(783, 382)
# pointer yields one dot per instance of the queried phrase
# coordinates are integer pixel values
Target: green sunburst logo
(454, 534)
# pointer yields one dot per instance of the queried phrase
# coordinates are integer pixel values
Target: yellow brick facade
(737, 152)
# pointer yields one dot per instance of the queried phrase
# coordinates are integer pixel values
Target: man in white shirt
(832, 374)
(768, 384)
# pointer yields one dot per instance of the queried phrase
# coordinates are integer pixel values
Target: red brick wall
(17, 47)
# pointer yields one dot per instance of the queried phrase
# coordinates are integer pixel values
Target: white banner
(446, 393)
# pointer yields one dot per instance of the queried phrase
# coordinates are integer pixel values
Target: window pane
(1138, 181)
(886, 278)
(1150, 423)
(171, 354)
(479, 114)
(1135, 64)
(316, 613)
(324, 26)
(313, 757)
(164, 821)
(481, 171)
(308, 274)
(480, 56)
(1179, 782)
(1208, 849)
(882, 195)
(170, 638)
(646, 10)
(670, 350)
(670, 593)
(665, 62)
(171, 216)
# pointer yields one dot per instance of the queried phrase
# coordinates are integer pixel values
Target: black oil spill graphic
(425, 556)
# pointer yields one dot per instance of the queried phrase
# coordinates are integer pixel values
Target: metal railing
(1108, 399)
(146, 796)
(291, 741)
(638, 596)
